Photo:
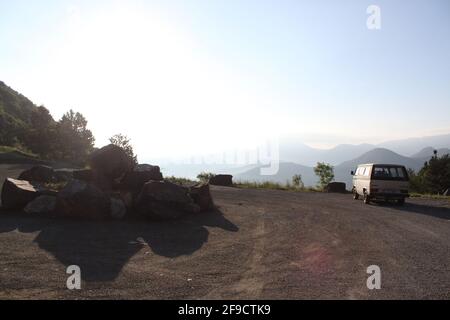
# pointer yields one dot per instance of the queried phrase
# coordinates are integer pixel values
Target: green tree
(124, 142)
(42, 137)
(325, 172)
(435, 175)
(416, 182)
(297, 181)
(75, 140)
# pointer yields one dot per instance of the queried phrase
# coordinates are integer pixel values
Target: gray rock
(111, 161)
(62, 175)
(201, 195)
(85, 175)
(97, 178)
(336, 187)
(41, 205)
(16, 194)
(80, 199)
(39, 173)
(162, 200)
(118, 209)
(224, 180)
(134, 180)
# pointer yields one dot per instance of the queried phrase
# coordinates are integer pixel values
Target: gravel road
(259, 244)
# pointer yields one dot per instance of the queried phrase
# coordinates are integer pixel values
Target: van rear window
(389, 173)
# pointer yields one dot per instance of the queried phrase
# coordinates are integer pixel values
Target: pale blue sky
(260, 68)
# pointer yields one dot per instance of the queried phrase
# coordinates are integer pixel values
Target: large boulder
(46, 174)
(85, 175)
(63, 175)
(80, 199)
(336, 187)
(111, 161)
(16, 194)
(201, 195)
(41, 205)
(97, 178)
(118, 209)
(39, 173)
(162, 200)
(134, 180)
(224, 180)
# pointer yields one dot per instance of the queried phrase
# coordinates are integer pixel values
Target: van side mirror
(352, 173)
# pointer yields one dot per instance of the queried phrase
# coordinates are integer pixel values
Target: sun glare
(136, 71)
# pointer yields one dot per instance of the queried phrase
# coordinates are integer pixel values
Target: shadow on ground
(102, 249)
(432, 211)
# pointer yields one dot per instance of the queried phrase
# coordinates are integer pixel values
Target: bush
(433, 178)
(124, 142)
(297, 181)
(205, 176)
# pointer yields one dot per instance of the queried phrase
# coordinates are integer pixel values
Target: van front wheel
(366, 198)
(355, 194)
(401, 202)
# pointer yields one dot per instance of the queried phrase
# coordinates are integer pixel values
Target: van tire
(401, 202)
(366, 198)
(355, 194)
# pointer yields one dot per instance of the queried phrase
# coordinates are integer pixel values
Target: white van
(385, 182)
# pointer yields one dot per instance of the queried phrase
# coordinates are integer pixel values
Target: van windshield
(389, 173)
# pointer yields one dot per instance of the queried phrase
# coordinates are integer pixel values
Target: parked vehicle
(381, 182)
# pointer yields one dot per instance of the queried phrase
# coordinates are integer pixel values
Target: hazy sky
(188, 76)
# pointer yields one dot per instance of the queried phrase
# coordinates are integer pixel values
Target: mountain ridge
(341, 171)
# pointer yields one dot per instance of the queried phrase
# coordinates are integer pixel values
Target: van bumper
(389, 196)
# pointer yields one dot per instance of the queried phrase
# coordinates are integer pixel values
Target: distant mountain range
(342, 170)
(290, 151)
(300, 159)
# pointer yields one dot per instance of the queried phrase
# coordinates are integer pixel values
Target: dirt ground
(259, 244)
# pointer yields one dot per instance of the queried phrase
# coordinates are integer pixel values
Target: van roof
(381, 164)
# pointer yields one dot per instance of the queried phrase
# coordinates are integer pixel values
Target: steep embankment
(15, 114)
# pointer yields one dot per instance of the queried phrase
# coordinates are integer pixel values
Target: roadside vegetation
(17, 150)
(205, 176)
(180, 181)
(433, 179)
(429, 196)
(288, 186)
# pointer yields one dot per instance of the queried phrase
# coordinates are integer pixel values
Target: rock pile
(112, 188)
(336, 187)
(224, 180)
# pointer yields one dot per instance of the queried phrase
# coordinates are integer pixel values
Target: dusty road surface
(259, 244)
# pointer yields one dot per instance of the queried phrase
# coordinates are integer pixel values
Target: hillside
(291, 150)
(426, 153)
(381, 155)
(15, 114)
